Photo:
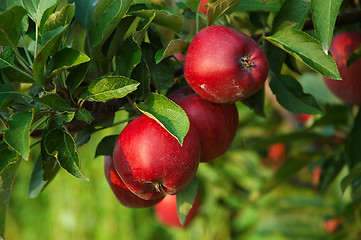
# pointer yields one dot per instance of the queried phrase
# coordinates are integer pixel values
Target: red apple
(216, 123)
(151, 162)
(224, 65)
(332, 225)
(202, 6)
(121, 192)
(303, 117)
(166, 211)
(349, 88)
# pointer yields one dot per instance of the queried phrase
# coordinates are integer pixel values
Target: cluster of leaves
(67, 66)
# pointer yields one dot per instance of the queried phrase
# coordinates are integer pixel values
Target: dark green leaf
(185, 200)
(293, 14)
(55, 102)
(141, 74)
(174, 46)
(331, 167)
(256, 102)
(110, 12)
(66, 59)
(290, 95)
(162, 17)
(162, 74)
(84, 115)
(259, 5)
(6, 57)
(18, 134)
(60, 18)
(36, 8)
(217, 9)
(193, 5)
(168, 114)
(106, 145)
(6, 4)
(5, 94)
(76, 76)
(109, 87)
(324, 14)
(307, 49)
(354, 142)
(46, 51)
(11, 26)
(354, 174)
(83, 136)
(130, 55)
(10, 164)
(84, 12)
(40, 178)
(61, 145)
(354, 56)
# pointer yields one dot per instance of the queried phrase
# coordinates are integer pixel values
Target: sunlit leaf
(185, 200)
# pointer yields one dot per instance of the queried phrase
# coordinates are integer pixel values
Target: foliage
(68, 68)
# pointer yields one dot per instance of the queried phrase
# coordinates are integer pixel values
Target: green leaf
(290, 95)
(217, 9)
(9, 166)
(36, 8)
(5, 94)
(6, 4)
(354, 142)
(42, 174)
(66, 59)
(106, 145)
(331, 167)
(17, 135)
(314, 84)
(61, 145)
(306, 49)
(76, 76)
(11, 26)
(185, 200)
(292, 14)
(168, 114)
(112, 11)
(7, 56)
(162, 17)
(44, 53)
(84, 115)
(259, 5)
(162, 74)
(84, 12)
(193, 5)
(141, 74)
(354, 56)
(130, 55)
(352, 176)
(109, 87)
(324, 14)
(256, 102)
(174, 46)
(55, 102)
(60, 18)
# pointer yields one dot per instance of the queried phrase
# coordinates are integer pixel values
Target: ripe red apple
(349, 88)
(332, 224)
(166, 211)
(224, 65)
(303, 117)
(202, 6)
(216, 123)
(151, 162)
(121, 192)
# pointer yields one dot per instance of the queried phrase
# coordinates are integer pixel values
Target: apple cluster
(149, 166)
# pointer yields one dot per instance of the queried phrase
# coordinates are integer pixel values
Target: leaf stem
(27, 75)
(26, 52)
(36, 39)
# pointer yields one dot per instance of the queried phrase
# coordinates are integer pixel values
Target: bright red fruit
(202, 6)
(224, 65)
(332, 225)
(121, 192)
(216, 123)
(276, 155)
(151, 162)
(349, 88)
(166, 211)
